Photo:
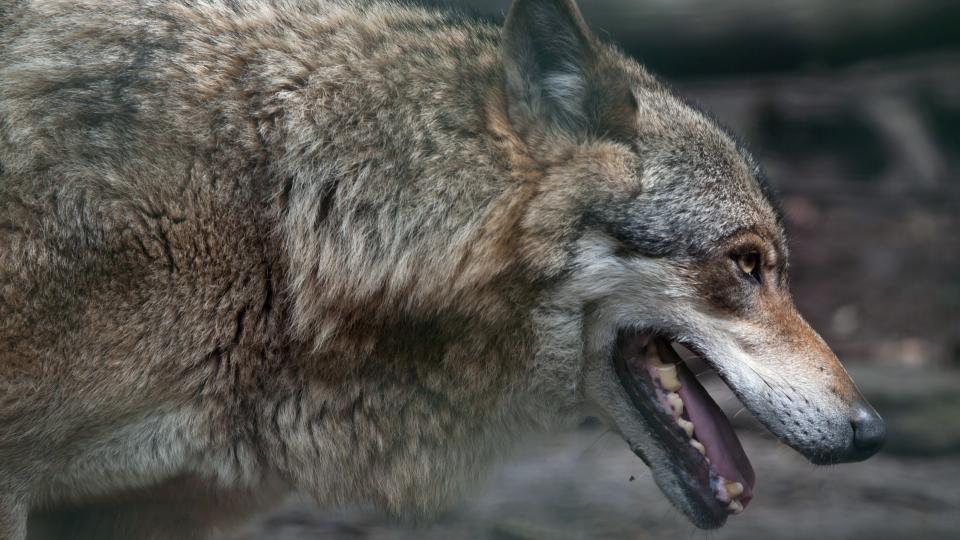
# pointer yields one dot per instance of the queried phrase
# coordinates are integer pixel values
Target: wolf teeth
(699, 446)
(735, 507)
(667, 375)
(663, 372)
(686, 426)
(676, 404)
(734, 489)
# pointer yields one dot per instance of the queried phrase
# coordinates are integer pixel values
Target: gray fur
(252, 247)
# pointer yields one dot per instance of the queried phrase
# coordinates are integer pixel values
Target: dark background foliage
(853, 108)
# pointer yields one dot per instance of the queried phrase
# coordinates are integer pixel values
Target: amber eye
(749, 263)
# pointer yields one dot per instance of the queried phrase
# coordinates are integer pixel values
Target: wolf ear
(554, 80)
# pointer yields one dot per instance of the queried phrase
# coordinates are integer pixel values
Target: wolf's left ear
(555, 77)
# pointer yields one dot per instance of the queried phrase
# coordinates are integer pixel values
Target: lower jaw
(652, 378)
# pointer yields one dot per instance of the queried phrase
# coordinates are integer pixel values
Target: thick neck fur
(397, 199)
(396, 186)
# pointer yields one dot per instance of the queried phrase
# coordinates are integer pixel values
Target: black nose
(869, 432)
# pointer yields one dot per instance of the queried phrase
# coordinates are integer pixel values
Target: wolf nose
(869, 432)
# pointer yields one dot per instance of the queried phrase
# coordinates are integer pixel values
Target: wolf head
(673, 238)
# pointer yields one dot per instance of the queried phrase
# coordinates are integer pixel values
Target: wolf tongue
(712, 428)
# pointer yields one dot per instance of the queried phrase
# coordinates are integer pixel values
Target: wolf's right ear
(554, 81)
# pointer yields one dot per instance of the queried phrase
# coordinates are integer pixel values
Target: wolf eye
(749, 263)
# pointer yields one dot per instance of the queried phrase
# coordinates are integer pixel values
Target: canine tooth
(734, 489)
(735, 507)
(667, 374)
(699, 446)
(686, 425)
(653, 359)
(676, 404)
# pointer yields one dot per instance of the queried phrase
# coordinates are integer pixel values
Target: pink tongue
(712, 428)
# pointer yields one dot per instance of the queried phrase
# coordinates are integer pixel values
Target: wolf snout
(869, 432)
(864, 437)
(855, 436)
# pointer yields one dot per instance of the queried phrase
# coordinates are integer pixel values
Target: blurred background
(853, 108)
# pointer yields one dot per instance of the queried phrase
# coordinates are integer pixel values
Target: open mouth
(717, 477)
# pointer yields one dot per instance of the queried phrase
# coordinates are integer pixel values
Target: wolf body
(351, 249)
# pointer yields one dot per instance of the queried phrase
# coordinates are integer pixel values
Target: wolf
(355, 249)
